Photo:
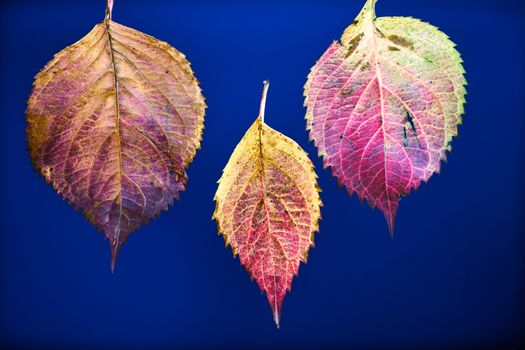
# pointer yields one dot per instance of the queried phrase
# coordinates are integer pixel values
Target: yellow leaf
(268, 207)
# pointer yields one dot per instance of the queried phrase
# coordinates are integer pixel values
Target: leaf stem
(263, 99)
(109, 9)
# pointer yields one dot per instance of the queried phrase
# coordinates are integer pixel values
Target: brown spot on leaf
(353, 44)
(365, 66)
(401, 41)
(348, 92)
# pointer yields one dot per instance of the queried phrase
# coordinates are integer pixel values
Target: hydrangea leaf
(113, 122)
(383, 106)
(268, 207)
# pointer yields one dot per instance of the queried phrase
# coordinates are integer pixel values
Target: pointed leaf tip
(391, 231)
(390, 216)
(115, 250)
(277, 318)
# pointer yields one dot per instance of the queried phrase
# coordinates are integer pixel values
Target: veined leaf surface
(383, 106)
(113, 121)
(268, 207)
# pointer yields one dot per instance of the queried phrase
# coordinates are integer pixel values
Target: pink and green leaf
(383, 106)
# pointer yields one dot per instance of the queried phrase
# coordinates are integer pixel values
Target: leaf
(268, 207)
(113, 121)
(383, 106)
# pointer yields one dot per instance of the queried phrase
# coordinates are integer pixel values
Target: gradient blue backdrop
(454, 276)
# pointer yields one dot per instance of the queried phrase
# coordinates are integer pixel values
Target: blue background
(454, 276)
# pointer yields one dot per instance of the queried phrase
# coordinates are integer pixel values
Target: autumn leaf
(268, 207)
(384, 104)
(113, 121)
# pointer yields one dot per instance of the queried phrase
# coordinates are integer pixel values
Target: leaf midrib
(117, 130)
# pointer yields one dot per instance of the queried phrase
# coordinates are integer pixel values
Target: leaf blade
(383, 106)
(113, 122)
(268, 207)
